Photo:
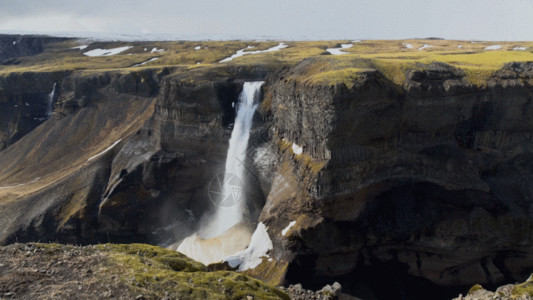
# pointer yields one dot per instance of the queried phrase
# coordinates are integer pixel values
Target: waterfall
(214, 241)
(230, 208)
(51, 97)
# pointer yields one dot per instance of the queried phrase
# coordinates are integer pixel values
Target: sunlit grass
(391, 57)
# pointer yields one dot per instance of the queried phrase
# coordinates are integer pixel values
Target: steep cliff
(365, 169)
(431, 179)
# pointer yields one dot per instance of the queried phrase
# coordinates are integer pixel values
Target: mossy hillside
(129, 270)
(156, 272)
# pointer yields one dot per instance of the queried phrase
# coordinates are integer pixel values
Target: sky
(273, 19)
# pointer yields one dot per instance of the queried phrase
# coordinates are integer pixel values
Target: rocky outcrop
(12, 46)
(430, 181)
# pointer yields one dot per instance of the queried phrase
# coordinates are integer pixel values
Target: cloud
(294, 19)
(54, 23)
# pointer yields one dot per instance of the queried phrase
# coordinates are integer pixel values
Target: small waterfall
(230, 207)
(51, 98)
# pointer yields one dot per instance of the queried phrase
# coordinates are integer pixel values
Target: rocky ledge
(135, 271)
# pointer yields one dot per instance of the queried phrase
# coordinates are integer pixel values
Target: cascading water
(215, 241)
(51, 98)
(230, 210)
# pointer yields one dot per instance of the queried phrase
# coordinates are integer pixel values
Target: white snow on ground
(459, 46)
(252, 256)
(408, 46)
(243, 52)
(356, 41)
(80, 47)
(106, 52)
(517, 48)
(155, 50)
(297, 149)
(145, 62)
(493, 47)
(103, 152)
(338, 51)
(197, 47)
(424, 47)
(284, 231)
(14, 42)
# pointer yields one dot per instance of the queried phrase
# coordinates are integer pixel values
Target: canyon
(418, 175)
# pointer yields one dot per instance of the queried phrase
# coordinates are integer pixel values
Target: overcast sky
(283, 19)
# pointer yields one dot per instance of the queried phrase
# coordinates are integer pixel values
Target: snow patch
(424, 47)
(408, 46)
(197, 47)
(459, 46)
(106, 52)
(155, 50)
(14, 42)
(517, 48)
(145, 62)
(82, 47)
(297, 149)
(103, 152)
(338, 51)
(243, 52)
(284, 231)
(493, 47)
(252, 256)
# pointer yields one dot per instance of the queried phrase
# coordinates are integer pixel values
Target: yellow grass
(391, 57)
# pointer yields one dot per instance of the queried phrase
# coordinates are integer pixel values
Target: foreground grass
(123, 271)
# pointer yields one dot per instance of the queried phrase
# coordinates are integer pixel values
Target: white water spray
(51, 97)
(230, 210)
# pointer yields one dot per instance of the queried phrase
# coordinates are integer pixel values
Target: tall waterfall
(215, 240)
(230, 209)
(51, 98)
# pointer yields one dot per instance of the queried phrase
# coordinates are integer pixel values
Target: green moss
(344, 76)
(525, 288)
(155, 270)
(474, 289)
(173, 259)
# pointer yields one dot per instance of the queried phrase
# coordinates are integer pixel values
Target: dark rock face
(434, 178)
(12, 46)
(429, 182)
(25, 100)
(126, 157)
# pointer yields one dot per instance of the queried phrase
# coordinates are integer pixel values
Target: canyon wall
(432, 178)
(429, 182)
